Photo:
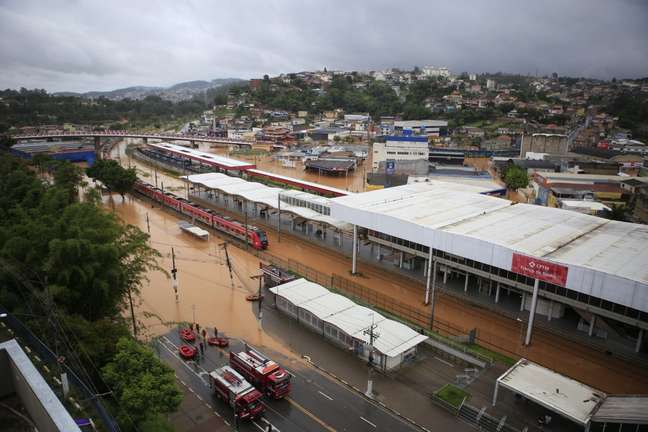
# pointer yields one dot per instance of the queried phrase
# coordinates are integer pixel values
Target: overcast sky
(102, 45)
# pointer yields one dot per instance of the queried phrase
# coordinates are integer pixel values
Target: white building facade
(400, 148)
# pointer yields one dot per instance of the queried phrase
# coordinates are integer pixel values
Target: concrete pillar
(466, 282)
(523, 301)
(534, 302)
(97, 146)
(639, 340)
(445, 276)
(427, 267)
(354, 254)
(495, 392)
(434, 275)
(490, 288)
(592, 323)
(400, 260)
(497, 292)
(551, 303)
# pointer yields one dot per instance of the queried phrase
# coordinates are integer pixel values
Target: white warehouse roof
(606, 259)
(262, 194)
(394, 338)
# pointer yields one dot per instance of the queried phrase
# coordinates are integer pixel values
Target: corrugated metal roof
(393, 338)
(600, 253)
(260, 193)
(631, 409)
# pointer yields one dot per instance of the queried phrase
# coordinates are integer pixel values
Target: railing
(47, 356)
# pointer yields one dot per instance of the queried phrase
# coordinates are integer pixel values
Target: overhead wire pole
(279, 217)
(372, 337)
(174, 272)
(229, 263)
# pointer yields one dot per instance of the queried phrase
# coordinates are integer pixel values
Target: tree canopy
(115, 177)
(143, 386)
(68, 266)
(515, 177)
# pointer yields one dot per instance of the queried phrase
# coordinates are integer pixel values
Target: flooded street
(205, 291)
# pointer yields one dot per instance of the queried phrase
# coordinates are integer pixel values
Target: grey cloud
(72, 45)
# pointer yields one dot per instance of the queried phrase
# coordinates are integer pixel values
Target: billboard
(539, 269)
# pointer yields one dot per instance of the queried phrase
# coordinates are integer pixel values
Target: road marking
(226, 422)
(368, 421)
(216, 413)
(207, 405)
(447, 363)
(182, 361)
(325, 395)
(311, 415)
(199, 397)
(272, 426)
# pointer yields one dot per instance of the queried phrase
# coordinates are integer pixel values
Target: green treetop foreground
(66, 269)
(144, 387)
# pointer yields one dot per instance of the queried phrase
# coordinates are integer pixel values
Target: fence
(45, 354)
(417, 317)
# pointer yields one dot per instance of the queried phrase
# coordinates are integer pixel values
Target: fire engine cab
(263, 373)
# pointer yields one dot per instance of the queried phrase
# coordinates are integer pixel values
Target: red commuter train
(255, 237)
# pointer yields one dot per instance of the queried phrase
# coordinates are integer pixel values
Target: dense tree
(632, 110)
(114, 177)
(32, 107)
(143, 386)
(515, 177)
(67, 176)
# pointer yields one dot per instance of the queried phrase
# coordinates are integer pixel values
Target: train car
(254, 236)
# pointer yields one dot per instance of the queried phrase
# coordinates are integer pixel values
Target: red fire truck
(238, 393)
(263, 373)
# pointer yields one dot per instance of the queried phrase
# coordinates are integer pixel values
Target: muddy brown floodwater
(354, 182)
(205, 289)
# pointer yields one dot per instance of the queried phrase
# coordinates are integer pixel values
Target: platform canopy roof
(604, 258)
(393, 338)
(558, 393)
(201, 156)
(266, 195)
(631, 409)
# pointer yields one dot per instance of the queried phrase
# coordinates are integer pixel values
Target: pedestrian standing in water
(191, 326)
(202, 348)
(215, 332)
(197, 328)
(204, 334)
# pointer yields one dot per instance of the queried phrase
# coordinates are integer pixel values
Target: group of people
(202, 336)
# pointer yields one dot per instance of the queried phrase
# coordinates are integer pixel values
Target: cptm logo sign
(539, 269)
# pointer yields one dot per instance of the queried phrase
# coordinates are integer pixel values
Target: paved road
(316, 403)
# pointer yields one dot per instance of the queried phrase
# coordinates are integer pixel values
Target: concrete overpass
(193, 139)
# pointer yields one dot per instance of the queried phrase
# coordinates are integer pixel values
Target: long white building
(552, 257)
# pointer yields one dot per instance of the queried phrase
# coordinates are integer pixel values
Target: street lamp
(518, 319)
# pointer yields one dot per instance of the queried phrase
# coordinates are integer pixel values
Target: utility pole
(155, 168)
(174, 272)
(247, 240)
(148, 224)
(130, 300)
(260, 297)
(279, 217)
(229, 264)
(372, 337)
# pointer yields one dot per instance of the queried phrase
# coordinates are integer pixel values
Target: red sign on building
(539, 269)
